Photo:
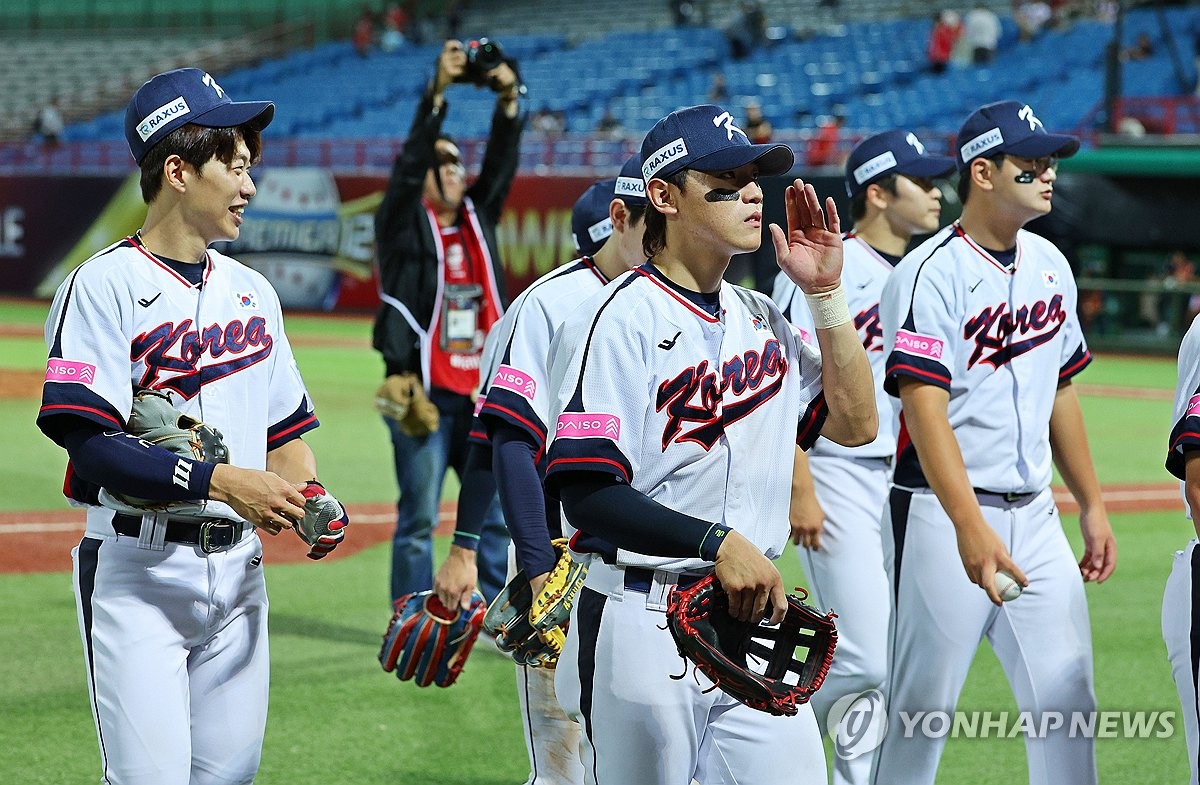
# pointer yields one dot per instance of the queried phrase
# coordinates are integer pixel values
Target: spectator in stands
(823, 147)
(442, 284)
(757, 128)
(364, 32)
(947, 26)
(683, 13)
(1142, 48)
(547, 123)
(747, 30)
(981, 30)
(454, 17)
(1031, 18)
(718, 92)
(48, 125)
(610, 126)
(395, 21)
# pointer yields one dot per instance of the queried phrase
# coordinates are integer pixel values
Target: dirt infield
(41, 540)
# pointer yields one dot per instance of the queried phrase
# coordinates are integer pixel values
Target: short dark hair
(655, 238)
(636, 211)
(858, 203)
(964, 177)
(196, 145)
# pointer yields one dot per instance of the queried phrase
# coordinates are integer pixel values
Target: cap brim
(1041, 145)
(256, 114)
(772, 159)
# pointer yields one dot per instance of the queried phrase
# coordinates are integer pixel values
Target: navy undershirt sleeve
(478, 487)
(124, 464)
(642, 525)
(521, 498)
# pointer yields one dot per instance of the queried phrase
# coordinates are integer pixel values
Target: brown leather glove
(402, 398)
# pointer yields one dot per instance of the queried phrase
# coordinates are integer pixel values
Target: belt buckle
(217, 534)
(1010, 496)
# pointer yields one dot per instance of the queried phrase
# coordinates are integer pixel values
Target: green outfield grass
(337, 718)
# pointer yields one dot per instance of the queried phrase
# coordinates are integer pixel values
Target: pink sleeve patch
(70, 371)
(920, 345)
(588, 426)
(1193, 406)
(510, 378)
(480, 400)
(806, 336)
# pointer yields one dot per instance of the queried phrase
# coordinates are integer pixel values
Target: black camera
(482, 56)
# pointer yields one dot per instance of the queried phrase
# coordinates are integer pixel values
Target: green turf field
(337, 718)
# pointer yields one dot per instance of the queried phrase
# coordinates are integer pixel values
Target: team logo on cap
(176, 107)
(916, 143)
(630, 186)
(726, 119)
(663, 156)
(880, 163)
(981, 144)
(208, 80)
(1027, 115)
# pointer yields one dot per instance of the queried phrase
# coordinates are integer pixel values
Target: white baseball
(1007, 586)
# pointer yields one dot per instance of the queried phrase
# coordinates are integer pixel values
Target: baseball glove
(723, 648)
(402, 398)
(324, 523)
(427, 642)
(155, 420)
(533, 629)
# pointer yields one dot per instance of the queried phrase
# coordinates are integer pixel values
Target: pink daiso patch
(1193, 407)
(480, 400)
(920, 345)
(70, 371)
(510, 378)
(588, 426)
(806, 336)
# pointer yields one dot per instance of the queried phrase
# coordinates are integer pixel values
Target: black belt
(1006, 496)
(641, 579)
(211, 535)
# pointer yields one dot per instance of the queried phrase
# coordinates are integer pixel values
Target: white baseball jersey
(1180, 612)
(864, 272)
(519, 390)
(955, 317)
(651, 388)
(124, 319)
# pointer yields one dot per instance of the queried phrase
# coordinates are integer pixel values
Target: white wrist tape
(829, 309)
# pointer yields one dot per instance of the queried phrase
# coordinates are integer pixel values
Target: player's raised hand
(455, 579)
(451, 65)
(750, 580)
(265, 499)
(1099, 546)
(811, 251)
(982, 555)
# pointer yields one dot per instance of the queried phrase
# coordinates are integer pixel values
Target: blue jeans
(421, 465)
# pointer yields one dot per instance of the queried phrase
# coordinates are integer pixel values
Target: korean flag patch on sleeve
(246, 300)
(1050, 279)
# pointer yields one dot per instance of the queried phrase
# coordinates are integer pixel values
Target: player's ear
(618, 215)
(172, 173)
(877, 196)
(980, 172)
(662, 196)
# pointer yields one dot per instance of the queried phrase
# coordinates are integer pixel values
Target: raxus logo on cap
(1009, 127)
(630, 187)
(590, 224)
(892, 152)
(706, 138)
(185, 95)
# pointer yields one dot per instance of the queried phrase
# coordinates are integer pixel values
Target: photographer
(443, 288)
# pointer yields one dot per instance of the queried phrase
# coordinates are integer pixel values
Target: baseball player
(673, 398)
(607, 226)
(1179, 606)
(173, 610)
(839, 493)
(982, 342)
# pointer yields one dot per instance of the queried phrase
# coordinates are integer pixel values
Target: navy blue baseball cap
(590, 224)
(1009, 127)
(705, 138)
(892, 152)
(185, 95)
(630, 187)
